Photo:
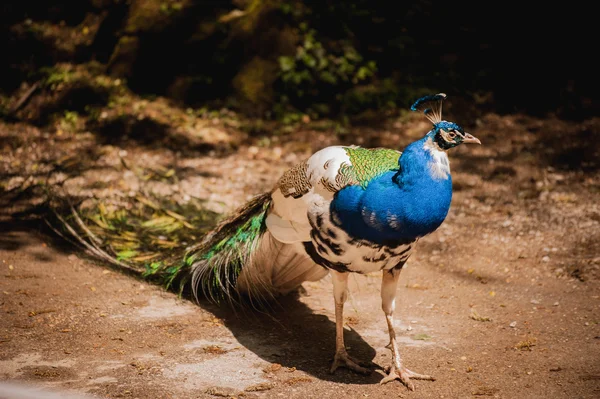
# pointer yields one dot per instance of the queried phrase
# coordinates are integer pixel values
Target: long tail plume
(150, 239)
(431, 106)
(217, 262)
(145, 236)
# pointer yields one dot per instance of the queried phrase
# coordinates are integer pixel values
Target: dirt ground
(502, 301)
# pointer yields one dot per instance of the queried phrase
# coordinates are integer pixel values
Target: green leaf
(309, 61)
(286, 63)
(126, 254)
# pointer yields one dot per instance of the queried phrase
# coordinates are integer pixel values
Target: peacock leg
(389, 284)
(340, 294)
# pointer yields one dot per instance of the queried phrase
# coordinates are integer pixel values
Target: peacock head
(445, 134)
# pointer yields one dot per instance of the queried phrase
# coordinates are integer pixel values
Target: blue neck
(422, 162)
(399, 206)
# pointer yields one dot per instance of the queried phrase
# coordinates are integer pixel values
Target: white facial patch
(440, 165)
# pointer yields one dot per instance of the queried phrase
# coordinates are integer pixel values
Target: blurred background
(283, 59)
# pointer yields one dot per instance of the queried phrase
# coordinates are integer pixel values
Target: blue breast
(396, 206)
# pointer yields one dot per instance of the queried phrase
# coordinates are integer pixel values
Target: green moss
(71, 93)
(90, 74)
(68, 121)
(57, 75)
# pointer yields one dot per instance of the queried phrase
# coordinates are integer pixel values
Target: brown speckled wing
(295, 182)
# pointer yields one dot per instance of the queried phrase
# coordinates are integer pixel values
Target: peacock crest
(431, 106)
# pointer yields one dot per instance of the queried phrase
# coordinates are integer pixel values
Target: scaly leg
(389, 284)
(340, 294)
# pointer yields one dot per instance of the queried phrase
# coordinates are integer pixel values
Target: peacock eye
(452, 134)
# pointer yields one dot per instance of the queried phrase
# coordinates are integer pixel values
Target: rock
(513, 324)
(223, 392)
(263, 386)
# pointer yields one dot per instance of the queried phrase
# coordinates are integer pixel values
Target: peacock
(345, 209)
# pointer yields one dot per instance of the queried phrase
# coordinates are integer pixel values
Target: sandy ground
(502, 301)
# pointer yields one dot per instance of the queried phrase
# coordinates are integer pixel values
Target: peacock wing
(315, 182)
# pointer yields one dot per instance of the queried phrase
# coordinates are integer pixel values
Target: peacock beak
(471, 139)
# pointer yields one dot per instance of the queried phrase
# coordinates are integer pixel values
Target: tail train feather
(238, 261)
(216, 263)
(144, 236)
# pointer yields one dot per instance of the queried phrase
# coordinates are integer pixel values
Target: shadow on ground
(293, 335)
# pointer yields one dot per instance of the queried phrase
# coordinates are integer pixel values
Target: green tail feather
(151, 238)
(218, 261)
(146, 236)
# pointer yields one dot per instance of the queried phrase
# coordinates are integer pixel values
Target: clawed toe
(405, 376)
(342, 359)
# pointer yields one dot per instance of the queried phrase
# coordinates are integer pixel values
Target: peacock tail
(237, 260)
(217, 262)
(146, 236)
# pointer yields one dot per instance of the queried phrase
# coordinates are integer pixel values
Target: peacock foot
(342, 359)
(404, 375)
